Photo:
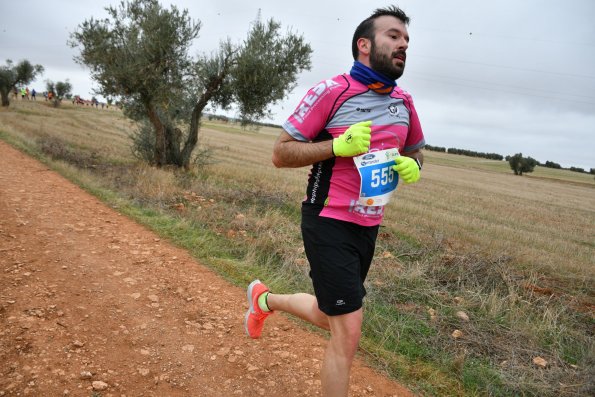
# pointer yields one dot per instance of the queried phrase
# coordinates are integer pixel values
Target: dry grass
(515, 253)
(76, 125)
(546, 225)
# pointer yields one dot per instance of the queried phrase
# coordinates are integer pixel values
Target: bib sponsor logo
(369, 159)
(357, 208)
(310, 99)
(365, 163)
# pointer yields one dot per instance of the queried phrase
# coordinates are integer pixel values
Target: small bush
(59, 150)
(143, 143)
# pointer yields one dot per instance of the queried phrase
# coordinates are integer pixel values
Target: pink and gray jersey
(326, 111)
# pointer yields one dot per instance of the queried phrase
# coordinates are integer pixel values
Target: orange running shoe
(255, 316)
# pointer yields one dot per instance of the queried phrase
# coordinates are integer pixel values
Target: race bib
(378, 179)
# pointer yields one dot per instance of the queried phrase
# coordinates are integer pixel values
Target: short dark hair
(366, 27)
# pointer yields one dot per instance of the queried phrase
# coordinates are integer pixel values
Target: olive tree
(12, 75)
(520, 164)
(140, 54)
(59, 90)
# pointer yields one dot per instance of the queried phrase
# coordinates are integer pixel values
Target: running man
(361, 135)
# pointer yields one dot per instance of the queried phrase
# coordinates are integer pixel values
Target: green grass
(478, 376)
(406, 334)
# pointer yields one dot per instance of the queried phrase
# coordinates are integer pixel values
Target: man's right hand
(354, 141)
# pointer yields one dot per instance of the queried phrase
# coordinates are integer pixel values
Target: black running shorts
(340, 254)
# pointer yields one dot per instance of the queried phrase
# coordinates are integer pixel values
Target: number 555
(382, 176)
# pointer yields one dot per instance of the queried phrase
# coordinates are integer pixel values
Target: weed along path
(92, 304)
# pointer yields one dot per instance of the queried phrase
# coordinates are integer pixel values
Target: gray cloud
(502, 77)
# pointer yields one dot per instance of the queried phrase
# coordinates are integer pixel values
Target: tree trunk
(160, 154)
(192, 138)
(173, 138)
(5, 99)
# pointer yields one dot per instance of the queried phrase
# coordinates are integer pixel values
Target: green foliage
(551, 164)
(520, 164)
(143, 143)
(140, 54)
(471, 153)
(60, 89)
(577, 169)
(435, 148)
(13, 75)
(266, 69)
(139, 50)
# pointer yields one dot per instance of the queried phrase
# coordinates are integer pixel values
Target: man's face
(388, 49)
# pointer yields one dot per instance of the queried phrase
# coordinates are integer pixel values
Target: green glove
(407, 168)
(355, 140)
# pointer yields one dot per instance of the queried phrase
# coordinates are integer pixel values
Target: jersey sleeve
(312, 113)
(415, 137)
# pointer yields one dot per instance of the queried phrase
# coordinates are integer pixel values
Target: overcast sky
(502, 76)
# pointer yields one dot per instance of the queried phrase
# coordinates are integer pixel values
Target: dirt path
(90, 299)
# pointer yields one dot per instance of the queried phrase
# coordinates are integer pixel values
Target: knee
(346, 331)
(348, 341)
(353, 336)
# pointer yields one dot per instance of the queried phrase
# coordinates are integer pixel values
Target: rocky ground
(92, 304)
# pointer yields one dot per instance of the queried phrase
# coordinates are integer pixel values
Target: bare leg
(340, 352)
(304, 306)
(342, 346)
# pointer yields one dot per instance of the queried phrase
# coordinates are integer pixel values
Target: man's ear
(364, 46)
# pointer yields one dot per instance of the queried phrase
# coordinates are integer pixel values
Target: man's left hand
(407, 168)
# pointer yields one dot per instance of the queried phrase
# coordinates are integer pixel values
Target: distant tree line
(226, 119)
(518, 163)
(435, 148)
(471, 153)
(218, 117)
(465, 152)
(269, 125)
(551, 164)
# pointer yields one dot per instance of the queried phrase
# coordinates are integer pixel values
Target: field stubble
(513, 254)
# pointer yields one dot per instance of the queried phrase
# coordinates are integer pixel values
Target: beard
(383, 63)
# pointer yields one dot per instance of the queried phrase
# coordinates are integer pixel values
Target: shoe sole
(250, 304)
(249, 294)
(246, 323)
